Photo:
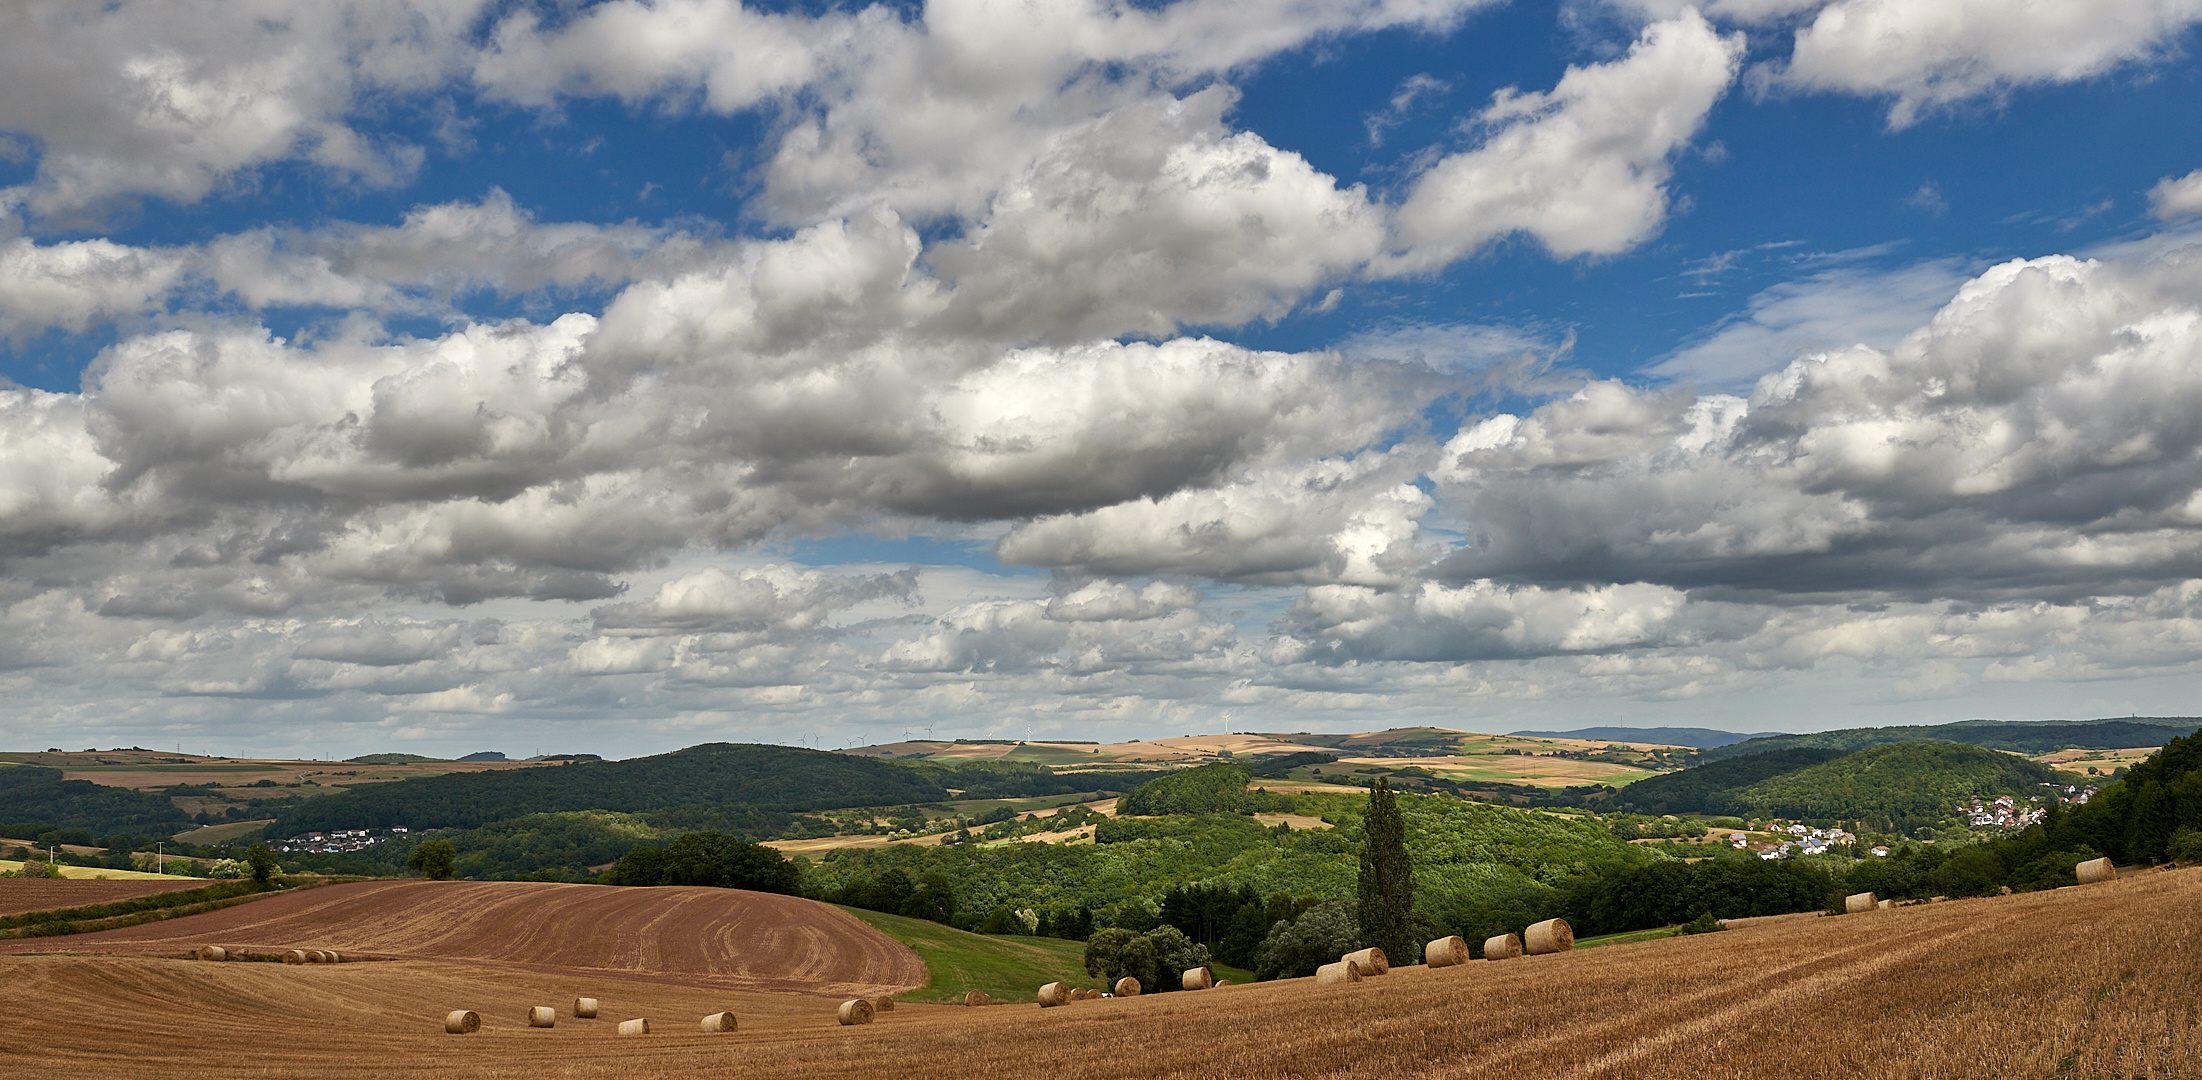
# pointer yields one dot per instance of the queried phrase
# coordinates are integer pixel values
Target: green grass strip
(1008, 968)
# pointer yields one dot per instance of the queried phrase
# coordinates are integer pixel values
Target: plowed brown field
(2095, 982)
(706, 937)
(18, 895)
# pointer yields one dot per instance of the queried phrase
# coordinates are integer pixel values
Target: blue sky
(399, 376)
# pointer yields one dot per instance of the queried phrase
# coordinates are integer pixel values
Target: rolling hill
(2017, 736)
(715, 937)
(1914, 782)
(1671, 736)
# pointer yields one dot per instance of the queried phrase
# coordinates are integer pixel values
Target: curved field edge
(1006, 968)
(115, 915)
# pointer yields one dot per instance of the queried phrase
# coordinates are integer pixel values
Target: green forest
(2017, 736)
(1899, 787)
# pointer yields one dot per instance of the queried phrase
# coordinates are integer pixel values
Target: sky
(449, 375)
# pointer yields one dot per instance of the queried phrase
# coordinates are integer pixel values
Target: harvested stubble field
(18, 895)
(702, 937)
(2096, 982)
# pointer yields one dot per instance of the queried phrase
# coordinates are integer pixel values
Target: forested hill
(1902, 785)
(2018, 736)
(769, 778)
(1905, 784)
(1709, 789)
(738, 787)
(35, 794)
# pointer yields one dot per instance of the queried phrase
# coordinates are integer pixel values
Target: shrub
(434, 859)
(1319, 936)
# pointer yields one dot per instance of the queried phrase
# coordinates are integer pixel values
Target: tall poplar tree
(1387, 877)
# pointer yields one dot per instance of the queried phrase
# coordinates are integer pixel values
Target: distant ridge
(486, 755)
(2018, 736)
(1672, 736)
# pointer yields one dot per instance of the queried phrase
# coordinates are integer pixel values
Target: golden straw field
(2086, 982)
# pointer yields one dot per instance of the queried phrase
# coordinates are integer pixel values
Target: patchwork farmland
(1929, 990)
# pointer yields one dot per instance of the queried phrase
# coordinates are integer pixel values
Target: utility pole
(160, 858)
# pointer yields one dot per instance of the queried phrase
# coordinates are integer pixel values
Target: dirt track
(2101, 981)
(18, 895)
(722, 938)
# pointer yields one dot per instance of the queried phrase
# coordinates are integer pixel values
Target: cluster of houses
(337, 841)
(1806, 841)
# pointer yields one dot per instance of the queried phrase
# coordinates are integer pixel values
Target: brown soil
(19, 895)
(2007, 987)
(706, 937)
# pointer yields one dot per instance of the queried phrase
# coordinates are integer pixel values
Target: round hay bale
(1054, 994)
(1886, 905)
(1371, 961)
(976, 998)
(634, 1027)
(335, 957)
(462, 1022)
(1857, 902)
(213, 952)
(584, 1008)
(1340, 972)
(1196, 979)
(1127, 987)
(1446, 952)
(1502, 947)
(858, 1011)
(718, 1023)
(295, 956)
(1549, 936)
(2094, 870)
(883, 1004)
(542, 1016)
(1221, 983)
(326, 957)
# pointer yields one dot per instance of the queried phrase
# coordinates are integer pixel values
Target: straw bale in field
(1196, 979)
(1127, 987)
(2094, 870)
(1549, 936)
(1857, 902)
(295, 956)
(1341, 972)
(584, 1008)
(883, 1004)
(1054, 994)
(977, 997)
(856, 1011)
(462, 1022)
(1371, 961)
(1886, 905)
(213, 952)
(542, 1016)
(1502, 947)
(1446, 952)
(1221, 983)
(718, 1023)
(634, 1027)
